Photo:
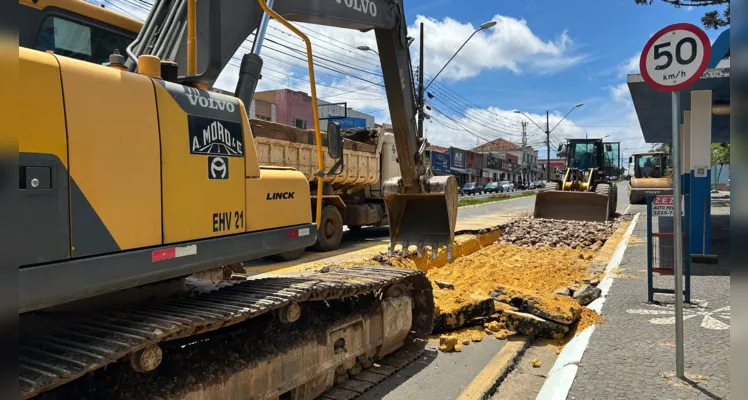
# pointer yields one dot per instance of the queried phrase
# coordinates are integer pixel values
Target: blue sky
(541, 55)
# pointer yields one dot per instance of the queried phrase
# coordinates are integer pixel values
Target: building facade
(294, 108)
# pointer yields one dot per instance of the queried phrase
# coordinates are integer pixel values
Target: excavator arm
(422, 208)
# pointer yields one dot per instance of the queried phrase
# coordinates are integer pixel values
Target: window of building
(75, 40)
(264, 118)
(299, 123)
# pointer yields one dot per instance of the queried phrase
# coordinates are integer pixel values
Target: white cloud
(620, 93)
(630, 66)
(510, 45)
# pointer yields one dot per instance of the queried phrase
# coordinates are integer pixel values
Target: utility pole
(524, 148)
(548, 146)
(420, 89)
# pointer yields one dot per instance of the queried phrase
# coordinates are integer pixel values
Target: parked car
(538, 184)
(471, 188)
(506, 186)
(492, 187)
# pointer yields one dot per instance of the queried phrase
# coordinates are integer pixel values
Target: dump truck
(652, 176)
(585, 193)
(353, 196)
(135, 176)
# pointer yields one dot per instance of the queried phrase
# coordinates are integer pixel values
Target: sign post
(672, 60)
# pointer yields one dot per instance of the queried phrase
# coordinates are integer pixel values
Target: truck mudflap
(573, 206)
(422, 218)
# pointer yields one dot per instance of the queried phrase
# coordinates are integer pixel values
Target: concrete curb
(564, 370)
(489, 379)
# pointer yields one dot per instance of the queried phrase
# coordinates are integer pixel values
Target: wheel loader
(135, 175)
(585, 193)
(652, 176)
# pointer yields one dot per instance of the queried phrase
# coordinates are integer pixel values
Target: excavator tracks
(85, 343)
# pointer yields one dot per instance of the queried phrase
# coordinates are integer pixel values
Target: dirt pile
(538, 232)
(503, 265)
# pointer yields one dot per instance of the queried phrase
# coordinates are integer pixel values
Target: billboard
(349, 122)
(458, 157)
(440, 162)
(493, 163)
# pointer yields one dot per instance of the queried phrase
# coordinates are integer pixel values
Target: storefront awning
(461, 171)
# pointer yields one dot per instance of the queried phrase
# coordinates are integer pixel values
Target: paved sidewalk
(632, 354)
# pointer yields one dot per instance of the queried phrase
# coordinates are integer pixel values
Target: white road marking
(564, 370)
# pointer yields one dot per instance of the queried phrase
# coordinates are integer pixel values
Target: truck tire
(330, 231)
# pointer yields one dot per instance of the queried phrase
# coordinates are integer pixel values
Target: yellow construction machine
(134, 175)
(652, 176)
(585, 193)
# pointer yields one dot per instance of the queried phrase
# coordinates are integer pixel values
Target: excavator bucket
(424, 218)
(570, 205)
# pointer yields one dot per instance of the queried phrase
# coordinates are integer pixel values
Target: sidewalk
(632, 354)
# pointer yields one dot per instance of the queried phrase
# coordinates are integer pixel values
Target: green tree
(720, 157)
(711, 19)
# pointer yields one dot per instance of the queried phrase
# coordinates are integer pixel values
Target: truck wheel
(330, 231)
(287, 256)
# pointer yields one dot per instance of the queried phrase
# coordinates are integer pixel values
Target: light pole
(483, 26)
(367, 48)
(548, 131)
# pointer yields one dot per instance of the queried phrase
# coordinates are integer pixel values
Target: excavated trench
(516, 278)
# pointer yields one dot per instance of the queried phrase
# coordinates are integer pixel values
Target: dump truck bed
(281, 145)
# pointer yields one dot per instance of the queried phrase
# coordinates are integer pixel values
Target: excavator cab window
(82, 42)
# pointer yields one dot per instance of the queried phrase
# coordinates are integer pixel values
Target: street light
(548, 131)
(367, 48)
(483, 26)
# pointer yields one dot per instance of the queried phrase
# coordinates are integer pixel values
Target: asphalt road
(437, 375)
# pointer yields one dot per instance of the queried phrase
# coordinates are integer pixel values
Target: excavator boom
(422, 209)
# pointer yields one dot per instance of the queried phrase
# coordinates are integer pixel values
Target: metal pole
(548, 146)
(420, 89)
(260, 36)
(678, 237)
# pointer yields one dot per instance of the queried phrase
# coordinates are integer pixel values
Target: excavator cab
(585, 193)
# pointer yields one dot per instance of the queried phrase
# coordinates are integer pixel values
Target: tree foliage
(711, 19)
(720, 153)
(720, 157)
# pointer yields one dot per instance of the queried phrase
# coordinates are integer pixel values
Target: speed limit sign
(675, 57)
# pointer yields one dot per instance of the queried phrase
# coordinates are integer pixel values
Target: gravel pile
(540, 232)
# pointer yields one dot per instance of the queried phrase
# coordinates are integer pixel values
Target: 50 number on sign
(675, 57)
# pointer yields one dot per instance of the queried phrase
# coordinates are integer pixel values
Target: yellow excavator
(134, 175)
(585, 193)
(652, 176)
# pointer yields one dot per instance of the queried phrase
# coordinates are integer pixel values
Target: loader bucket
(422, 218)
(574, 206)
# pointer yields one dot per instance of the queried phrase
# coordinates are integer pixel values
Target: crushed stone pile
(539, 232)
